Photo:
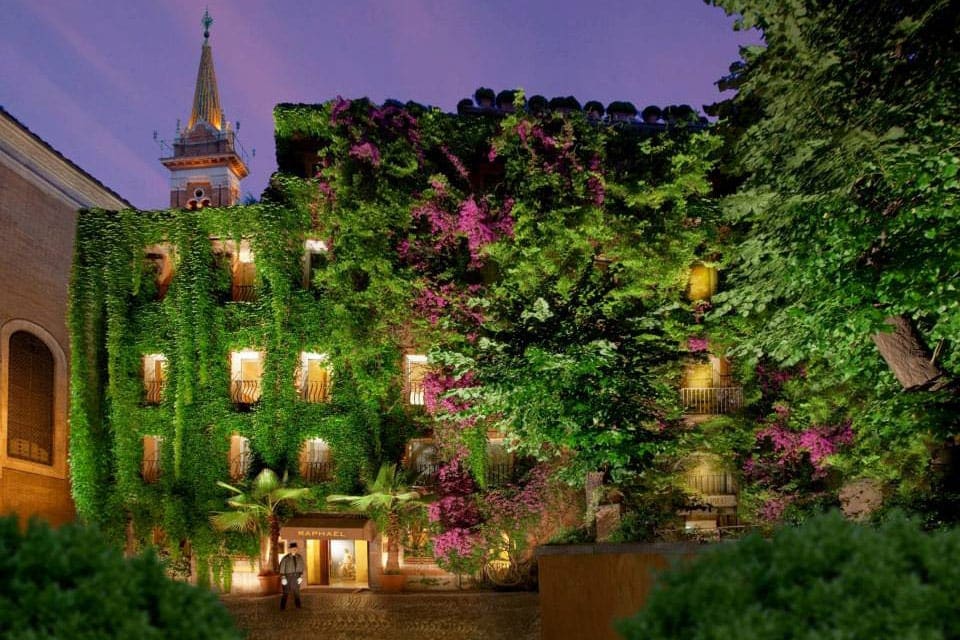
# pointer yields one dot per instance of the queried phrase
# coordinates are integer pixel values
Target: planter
(392, 582)
(269, 583)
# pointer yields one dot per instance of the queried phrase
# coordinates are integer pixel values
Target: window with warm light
(150, 467)
(246, 373)
(316, 464)
(161, 257)
(703, 282)
(315, 254)
(415, 369)
(314, 377)
(239, 457)
(243, 274)
(154, 377)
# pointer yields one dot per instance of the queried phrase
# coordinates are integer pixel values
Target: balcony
(240, 466)
(711, 400)
(245, 392)
(713, 484)
(243, 293)
(315, 391)
(414, 393)
(150, 470)
(317, 470)
(153, 391)
(499, 473)
(425, 474)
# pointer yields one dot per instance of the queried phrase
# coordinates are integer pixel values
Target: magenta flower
(366, 151)
(695, 344)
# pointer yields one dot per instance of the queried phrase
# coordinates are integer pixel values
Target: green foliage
(844, 151)
(260, 509)
(827, 579)
(70, 583)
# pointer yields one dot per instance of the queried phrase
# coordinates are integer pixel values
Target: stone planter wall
(585, 588)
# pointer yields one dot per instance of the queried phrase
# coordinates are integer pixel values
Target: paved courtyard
(405, 616)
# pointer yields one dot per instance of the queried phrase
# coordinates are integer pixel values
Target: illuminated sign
(321, 533)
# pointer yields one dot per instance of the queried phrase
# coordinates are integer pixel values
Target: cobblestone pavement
(403, 616)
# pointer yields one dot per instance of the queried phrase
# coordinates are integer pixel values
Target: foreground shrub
(829, 578)
(70, 584)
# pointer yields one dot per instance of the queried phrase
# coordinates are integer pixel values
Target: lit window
(246, 372)
(314, 377)
(415, 369)
(315, 462)
(243, 274)
(154, 377)
(703, 282)
(150, 467)
(239, 457)
(161, 255)
(314, 257)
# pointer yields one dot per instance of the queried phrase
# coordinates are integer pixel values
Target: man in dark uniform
(291, 575)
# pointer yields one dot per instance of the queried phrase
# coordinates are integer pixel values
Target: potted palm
(258, 511)
(387, 501)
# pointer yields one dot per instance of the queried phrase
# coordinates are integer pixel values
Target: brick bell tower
(206, 167)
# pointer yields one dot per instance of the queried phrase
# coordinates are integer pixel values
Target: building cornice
(31, 157)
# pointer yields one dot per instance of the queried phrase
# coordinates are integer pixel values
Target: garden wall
(585, 588)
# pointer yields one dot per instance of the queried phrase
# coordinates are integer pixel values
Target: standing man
(291, 575)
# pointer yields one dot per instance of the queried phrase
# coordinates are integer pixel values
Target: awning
(328, 527)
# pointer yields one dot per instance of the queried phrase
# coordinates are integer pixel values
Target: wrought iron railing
(154, 391)
(243, 292)
(711, 400)
(240, 466)
(713, 484)
(244, 391)
(425, 474)
(415, 395)
(150, 470)
(499, 473)
(315, 391)
(317, 470)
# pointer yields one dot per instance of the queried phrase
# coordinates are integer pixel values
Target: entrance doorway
(337, 563)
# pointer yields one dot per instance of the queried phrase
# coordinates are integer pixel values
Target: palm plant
(388, 498)
(258, 510)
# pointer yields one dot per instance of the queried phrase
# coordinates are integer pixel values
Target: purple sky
(96, 79)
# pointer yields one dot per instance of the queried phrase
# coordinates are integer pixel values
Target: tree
(829, 578)
(70, 583)
(387, 500)
(259, 510)
(845, 131)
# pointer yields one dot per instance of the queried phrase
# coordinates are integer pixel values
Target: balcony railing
(240, 466)
(499, 473)
(150, 470)
(315, 391)
(414, 393)
(243, 292)
(425, 474)
(317, 470)
(711, 400)
(244, 391)
(713, 484)
(154, 391)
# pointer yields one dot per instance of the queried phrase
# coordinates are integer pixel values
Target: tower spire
(208, 162)
(206, 97)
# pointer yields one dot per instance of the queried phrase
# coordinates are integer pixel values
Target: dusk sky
(95, 79)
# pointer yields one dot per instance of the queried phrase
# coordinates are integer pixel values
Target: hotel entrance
(337, 563)
(336, 549)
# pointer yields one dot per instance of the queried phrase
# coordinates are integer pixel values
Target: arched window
(30, 398)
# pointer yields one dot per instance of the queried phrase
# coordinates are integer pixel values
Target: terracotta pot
(392, 582)
(269, 583)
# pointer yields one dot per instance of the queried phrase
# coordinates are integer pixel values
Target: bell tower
(206, 166)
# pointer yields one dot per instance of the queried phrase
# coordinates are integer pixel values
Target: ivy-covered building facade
(506, 302)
